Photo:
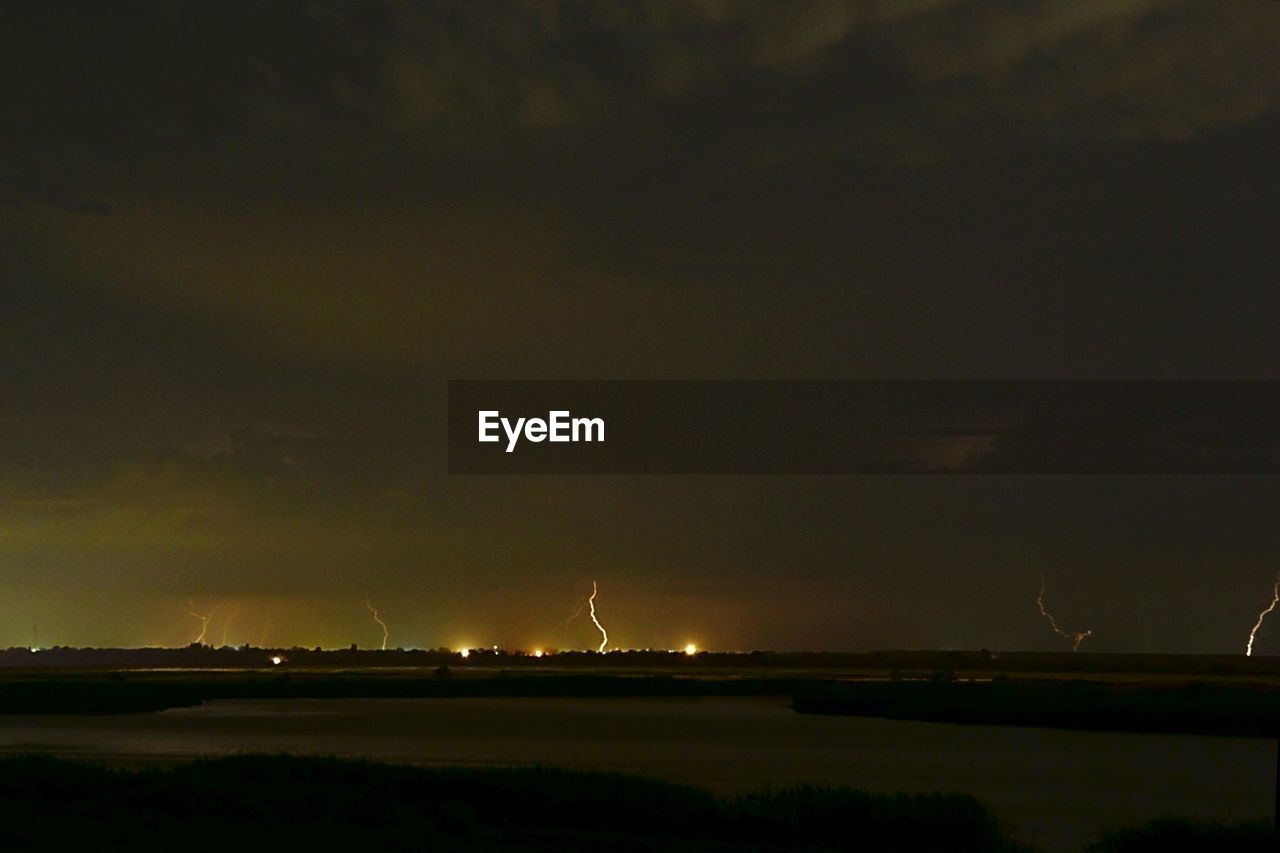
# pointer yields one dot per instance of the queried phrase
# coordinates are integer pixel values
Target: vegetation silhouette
(1194, 837)
(1195, 707)
(283, 803)
(1191, 708)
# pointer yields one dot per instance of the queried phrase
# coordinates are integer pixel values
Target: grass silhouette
(280, 802)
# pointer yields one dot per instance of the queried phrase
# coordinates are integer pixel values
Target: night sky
(243, 247)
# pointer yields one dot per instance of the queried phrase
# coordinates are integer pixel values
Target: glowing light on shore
(691, 650)
(464, 653)
(276, 660)
(537, 653)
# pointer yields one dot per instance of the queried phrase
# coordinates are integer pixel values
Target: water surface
(1056, 788)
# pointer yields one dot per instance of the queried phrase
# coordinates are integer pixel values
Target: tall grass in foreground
(1195, 837)
(251, 803)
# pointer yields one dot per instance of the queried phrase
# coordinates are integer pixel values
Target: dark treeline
(1193, 708)
(121, 693)
(924, 661)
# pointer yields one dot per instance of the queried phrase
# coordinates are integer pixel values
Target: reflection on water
(1055, 787)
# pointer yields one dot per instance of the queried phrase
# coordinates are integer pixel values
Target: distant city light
(464, 653)
(537, 653)
(276, 660)
(691, 649)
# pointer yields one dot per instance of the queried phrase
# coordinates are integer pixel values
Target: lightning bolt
(564, 635)
(266, 628)
(385, 633)
(1275, 599)
(591, 602)
(227, 624)
(204, 621)
(1076, 638)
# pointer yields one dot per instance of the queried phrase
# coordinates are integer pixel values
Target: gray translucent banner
(856, 427)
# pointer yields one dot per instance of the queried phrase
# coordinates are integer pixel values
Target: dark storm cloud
(216, 79)
(590, 154)
(244, 245)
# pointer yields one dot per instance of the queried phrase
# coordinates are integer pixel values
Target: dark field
(290, 803)
(279, 802)
(923, 662)
(1100, 698)
(1172, 835)
(1129, 747)
(1192, 708)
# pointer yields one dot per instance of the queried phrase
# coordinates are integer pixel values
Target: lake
(1055, 788)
